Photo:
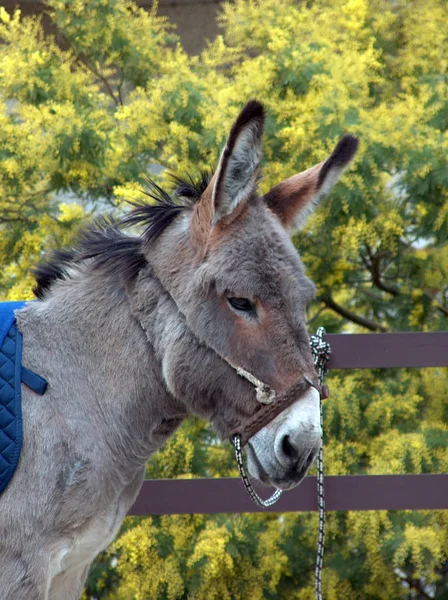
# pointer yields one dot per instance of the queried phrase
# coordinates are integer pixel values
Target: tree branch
(120, 85)
(83, 60)
(417, 585)
(438, 306)
(316, 316)
(442, 309)
(14, 220)
(101, 77)
(351, 316)
(374, 267)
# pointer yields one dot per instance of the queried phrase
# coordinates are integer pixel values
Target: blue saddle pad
(12, 374)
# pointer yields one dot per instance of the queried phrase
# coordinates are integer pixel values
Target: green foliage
(85, 115)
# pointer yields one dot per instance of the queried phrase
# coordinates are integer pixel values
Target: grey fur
(127, 359)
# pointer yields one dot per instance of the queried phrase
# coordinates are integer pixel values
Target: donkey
(134, 333)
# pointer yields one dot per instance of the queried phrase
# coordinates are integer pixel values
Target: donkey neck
(173, 260)
(110, 370)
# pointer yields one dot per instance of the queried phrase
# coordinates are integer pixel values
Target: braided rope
(247, 484)
(264, 393)
(321, 351)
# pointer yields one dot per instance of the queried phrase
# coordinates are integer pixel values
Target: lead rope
(321, 350)
(247, 484)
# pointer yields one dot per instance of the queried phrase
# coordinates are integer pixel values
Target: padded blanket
(12, 374)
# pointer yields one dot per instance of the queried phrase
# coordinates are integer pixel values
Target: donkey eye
(241, 304)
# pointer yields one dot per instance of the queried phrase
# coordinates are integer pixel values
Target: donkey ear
(236, 176)
(295, 199)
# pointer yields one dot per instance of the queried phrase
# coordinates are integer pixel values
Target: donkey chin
(281, 453)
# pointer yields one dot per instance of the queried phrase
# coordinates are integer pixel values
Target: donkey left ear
(295, 199)
(235, 179)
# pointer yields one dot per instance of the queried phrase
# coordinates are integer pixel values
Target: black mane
(46, 273)
(156, 217)
(190, 188)
(108, 248)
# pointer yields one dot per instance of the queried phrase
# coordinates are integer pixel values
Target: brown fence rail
(342, 492)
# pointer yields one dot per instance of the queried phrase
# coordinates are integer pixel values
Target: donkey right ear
(236, 177)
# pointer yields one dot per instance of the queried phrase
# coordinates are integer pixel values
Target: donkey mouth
(283, 483)
(288, 483)
(281, 479)
(285, 486)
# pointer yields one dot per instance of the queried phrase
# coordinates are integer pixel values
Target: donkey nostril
(288, 449)
(310, 459)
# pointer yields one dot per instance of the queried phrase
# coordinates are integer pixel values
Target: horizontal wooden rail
(380, 350)
(342, 492)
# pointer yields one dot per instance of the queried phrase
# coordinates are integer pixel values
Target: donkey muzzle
(268, 412)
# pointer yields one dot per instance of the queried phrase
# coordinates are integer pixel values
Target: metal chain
(321, 351)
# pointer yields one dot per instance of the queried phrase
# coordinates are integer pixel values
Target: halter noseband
(273, 403)
(263, 392)
(273, 406)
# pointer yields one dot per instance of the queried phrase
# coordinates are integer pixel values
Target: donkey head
(228, 264)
